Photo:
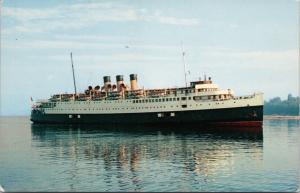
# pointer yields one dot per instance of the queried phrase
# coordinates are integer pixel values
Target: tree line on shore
(276, 106)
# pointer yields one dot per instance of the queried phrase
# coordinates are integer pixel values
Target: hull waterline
(229, 117)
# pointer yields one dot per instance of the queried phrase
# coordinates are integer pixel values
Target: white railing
(248, 96)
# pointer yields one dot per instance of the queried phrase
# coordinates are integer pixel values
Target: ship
(202, 103)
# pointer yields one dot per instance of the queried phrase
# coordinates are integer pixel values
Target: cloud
(26, 14)
(95, 5)
(91, 43)
(82, 15)
(286, 59)
(112, 50)
(233, 26)
(124, 58)
(160, 18)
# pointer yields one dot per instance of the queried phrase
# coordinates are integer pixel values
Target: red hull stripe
(240, 123)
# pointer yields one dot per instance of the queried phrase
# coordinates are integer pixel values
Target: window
(167, 99)
(183, 98)
(190, 98)
(159, 100)
(156, 100)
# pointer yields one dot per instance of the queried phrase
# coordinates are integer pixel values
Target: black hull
(241, 116)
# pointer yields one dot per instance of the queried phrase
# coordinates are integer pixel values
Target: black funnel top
(106, 79)
(119, 78)
(133, 76)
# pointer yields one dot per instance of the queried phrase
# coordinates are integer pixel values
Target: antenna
(184, 65)
(73, 75)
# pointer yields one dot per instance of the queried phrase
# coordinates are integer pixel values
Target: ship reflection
(235, 133)
(128, 152)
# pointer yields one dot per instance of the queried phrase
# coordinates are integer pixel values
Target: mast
(184, 65)
(73, 75)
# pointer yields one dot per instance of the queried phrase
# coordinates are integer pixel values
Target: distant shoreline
(281, 117)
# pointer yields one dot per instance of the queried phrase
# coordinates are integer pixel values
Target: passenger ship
(200, 103)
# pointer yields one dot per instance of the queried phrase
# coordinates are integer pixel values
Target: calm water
(90, 158)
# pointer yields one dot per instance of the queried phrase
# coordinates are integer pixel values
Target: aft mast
(184, 65)
(73, 76)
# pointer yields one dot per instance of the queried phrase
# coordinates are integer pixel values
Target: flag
(31, 99)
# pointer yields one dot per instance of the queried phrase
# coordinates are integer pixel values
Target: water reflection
(131, 156)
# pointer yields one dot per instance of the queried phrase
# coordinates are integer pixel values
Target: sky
(245, 45)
